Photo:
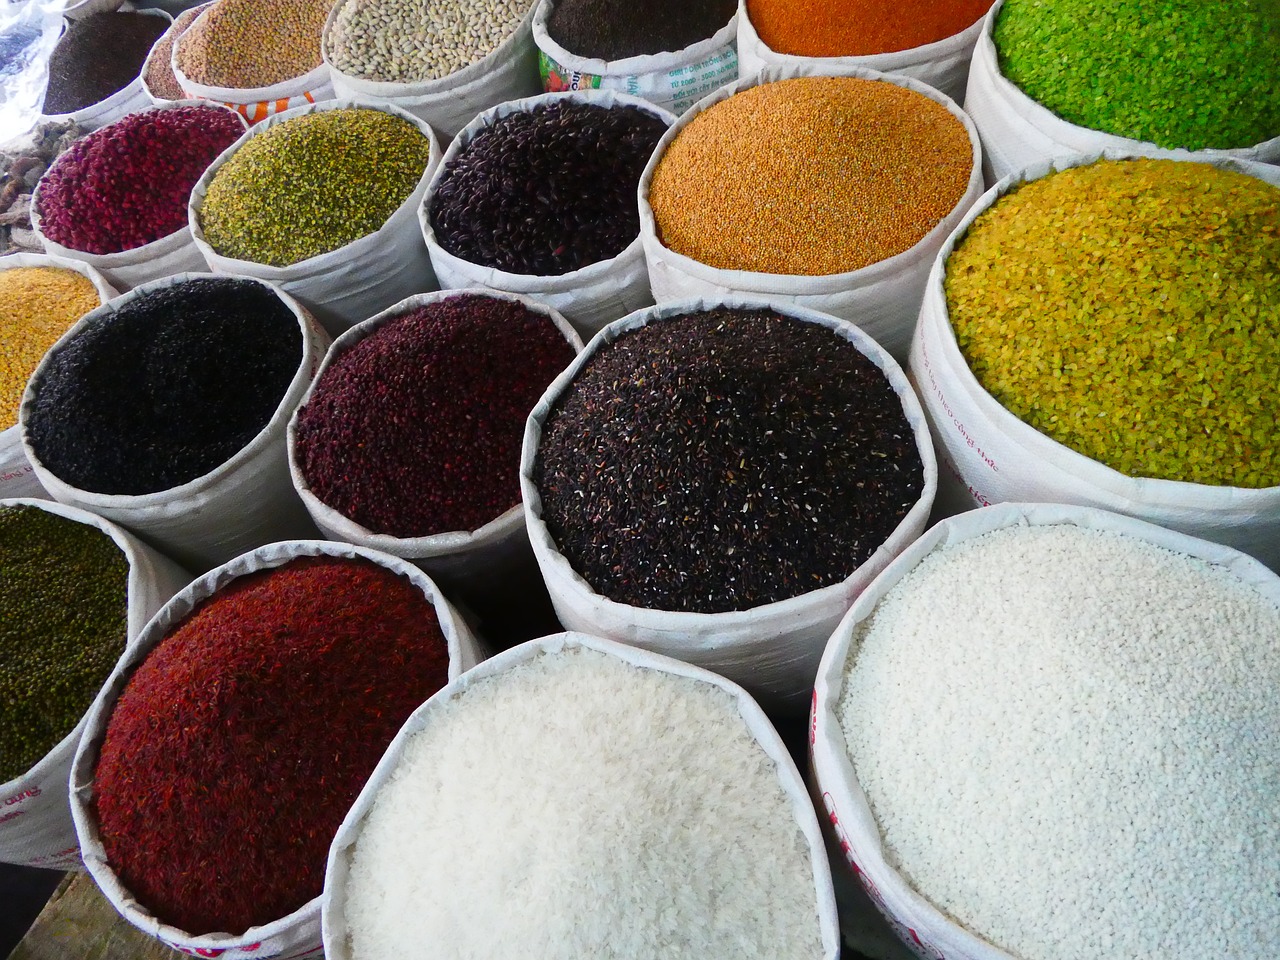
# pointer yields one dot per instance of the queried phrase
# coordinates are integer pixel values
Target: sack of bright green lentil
(674, 81)
(35, 819)
(1144, 340)
(1171, 90)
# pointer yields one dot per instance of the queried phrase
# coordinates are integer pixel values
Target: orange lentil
(812, 176)
(857, 28)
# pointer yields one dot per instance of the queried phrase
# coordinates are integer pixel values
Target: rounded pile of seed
(63, 626)
(617, 29)
(416, 430)
(129, 183)
(1068, 740)
(37, 306)
(1130, 310)
(723, 460)
(253, 43)
(1176, 73)
(248, 731)
(811, 176)
(97, 56)
(348, 170)
(409, 41)
(548, 190)
(158, 72)
(165, 388)
(856, 28)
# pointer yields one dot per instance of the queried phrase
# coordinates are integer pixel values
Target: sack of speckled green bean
(718, 480)
(1106, 331)
(464, 57)
(1155, 79)
(75, 592)
(538, 197)
(831, 190)
(669, 52)
(322, 201)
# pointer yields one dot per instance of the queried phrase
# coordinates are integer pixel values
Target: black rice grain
(547, 191)
(617, 29)
(166, 388)
(97, 56)
(722, 460)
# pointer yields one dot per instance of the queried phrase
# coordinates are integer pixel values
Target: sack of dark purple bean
(538, 197)
(165, 411)
(717, 481)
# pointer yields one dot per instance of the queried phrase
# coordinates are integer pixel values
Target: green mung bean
(63, 624)
(1131, 311)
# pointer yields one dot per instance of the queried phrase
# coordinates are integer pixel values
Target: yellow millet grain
(811, 176)
(253, 43)
(37, 305)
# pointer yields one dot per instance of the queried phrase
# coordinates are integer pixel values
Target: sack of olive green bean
(54, 558)
(1141, 295)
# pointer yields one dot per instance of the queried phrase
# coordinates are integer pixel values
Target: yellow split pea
(811, 176)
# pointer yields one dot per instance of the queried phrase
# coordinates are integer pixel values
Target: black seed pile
(547, 191)
(167, 388)
(722, 460)
(617, 29)
(97, 56)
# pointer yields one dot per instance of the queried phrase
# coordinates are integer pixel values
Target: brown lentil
(37, 306)
(159, 75)
(254, 43)
(1131, 311)
(811, 176)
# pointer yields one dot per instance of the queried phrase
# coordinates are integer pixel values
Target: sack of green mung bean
(278, 205)
(717, 480)
(1143, 297)
(1201, 82)
(75, 591)
(582, 48)
(722, 208)
(469, 57)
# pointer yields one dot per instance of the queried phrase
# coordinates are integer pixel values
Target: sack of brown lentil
(586, 45)
(925, 40)
(760, 190)
(158, 80)
(322, 201)
(1034, 693)
(537, 197)
(76, 591)
(1142, 295)
(222, 754)
(1197, 81)
(717, 480)
(165, 411)
(470, 56)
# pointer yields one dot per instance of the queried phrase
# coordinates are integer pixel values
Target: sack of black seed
(538, 197)
(719, 480)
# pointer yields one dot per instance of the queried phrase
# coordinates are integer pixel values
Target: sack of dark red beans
(538, 197)
(228, 745)
(718, 481)
(165, 411)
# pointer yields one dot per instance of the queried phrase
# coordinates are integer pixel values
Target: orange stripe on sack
(259, 113)
(282, 105)
(310, 98)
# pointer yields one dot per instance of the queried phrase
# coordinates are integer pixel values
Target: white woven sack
(352, 283)
(674, 81)
(590, 297)
(509, 72)
(35, 817)
(466, 556)
(176, 253)
(243, 503)
(130, 98)
(17, 476)
(773, 649)
(883, 298)
(180, 23)
(333, 909)
(990, 456)
(943, 65)
(931, 934)
(1017, 132)
(296, 935)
